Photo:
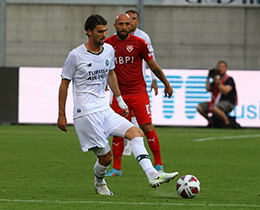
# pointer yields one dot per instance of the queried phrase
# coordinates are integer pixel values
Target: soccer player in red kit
(129, 53)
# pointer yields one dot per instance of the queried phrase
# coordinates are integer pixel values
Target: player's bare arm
(63, 92)
(112, 82)
(159, 73)
(154, 86)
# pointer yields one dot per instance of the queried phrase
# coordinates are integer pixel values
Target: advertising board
(38, 97)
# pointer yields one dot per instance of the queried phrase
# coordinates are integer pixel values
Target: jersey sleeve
(112, 63)
(112, 55)
(69, 67)
(150, 46)
(145, 52)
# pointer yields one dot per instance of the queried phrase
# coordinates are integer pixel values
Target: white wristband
(121, 102)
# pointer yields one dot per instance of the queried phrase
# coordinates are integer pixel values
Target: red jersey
(129, 54)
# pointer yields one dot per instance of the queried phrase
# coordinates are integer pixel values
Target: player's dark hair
(222, 62)
(132, 11)
(93, 21)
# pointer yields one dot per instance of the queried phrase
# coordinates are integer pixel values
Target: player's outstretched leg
(155, 178)
(100, 183)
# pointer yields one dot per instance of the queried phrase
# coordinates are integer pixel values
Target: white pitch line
(227, 137)
(129, 203)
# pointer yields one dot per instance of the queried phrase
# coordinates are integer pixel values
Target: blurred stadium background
(186, 35)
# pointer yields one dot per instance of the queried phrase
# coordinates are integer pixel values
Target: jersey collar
(93, 52)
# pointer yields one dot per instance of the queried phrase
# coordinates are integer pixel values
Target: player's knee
(136, 132)
(199, 109)
(133, 132)
(139, 133)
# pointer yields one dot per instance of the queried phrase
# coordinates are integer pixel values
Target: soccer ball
(188, 186)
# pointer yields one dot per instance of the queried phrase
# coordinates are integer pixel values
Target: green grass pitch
(44, 168)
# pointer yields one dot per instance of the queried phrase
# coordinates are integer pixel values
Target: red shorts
(140, 105)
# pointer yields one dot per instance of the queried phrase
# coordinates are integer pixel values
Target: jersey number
(148, 110)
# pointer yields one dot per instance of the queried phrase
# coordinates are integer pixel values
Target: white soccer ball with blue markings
(188, 186)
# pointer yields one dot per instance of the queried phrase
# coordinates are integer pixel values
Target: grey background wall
(183, 37)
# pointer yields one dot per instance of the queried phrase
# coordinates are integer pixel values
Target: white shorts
(93, 129)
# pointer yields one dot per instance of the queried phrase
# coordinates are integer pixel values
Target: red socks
(118, 148)
(154, 145)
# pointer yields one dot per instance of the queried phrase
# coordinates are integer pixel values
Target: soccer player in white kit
(134, 15)
(90, 66)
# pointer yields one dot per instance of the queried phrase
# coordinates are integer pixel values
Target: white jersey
(88, 72)
(141, 34)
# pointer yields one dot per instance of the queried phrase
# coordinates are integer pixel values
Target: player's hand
(122, 105)
(154, 86)
(125, 112)
(62, 123)
(107, 87)
(168, 91)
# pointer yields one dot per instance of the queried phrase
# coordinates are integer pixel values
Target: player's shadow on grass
(165, 195)
(168, 197)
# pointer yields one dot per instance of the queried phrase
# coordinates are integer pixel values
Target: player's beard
(122, 36)
(98, 42)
